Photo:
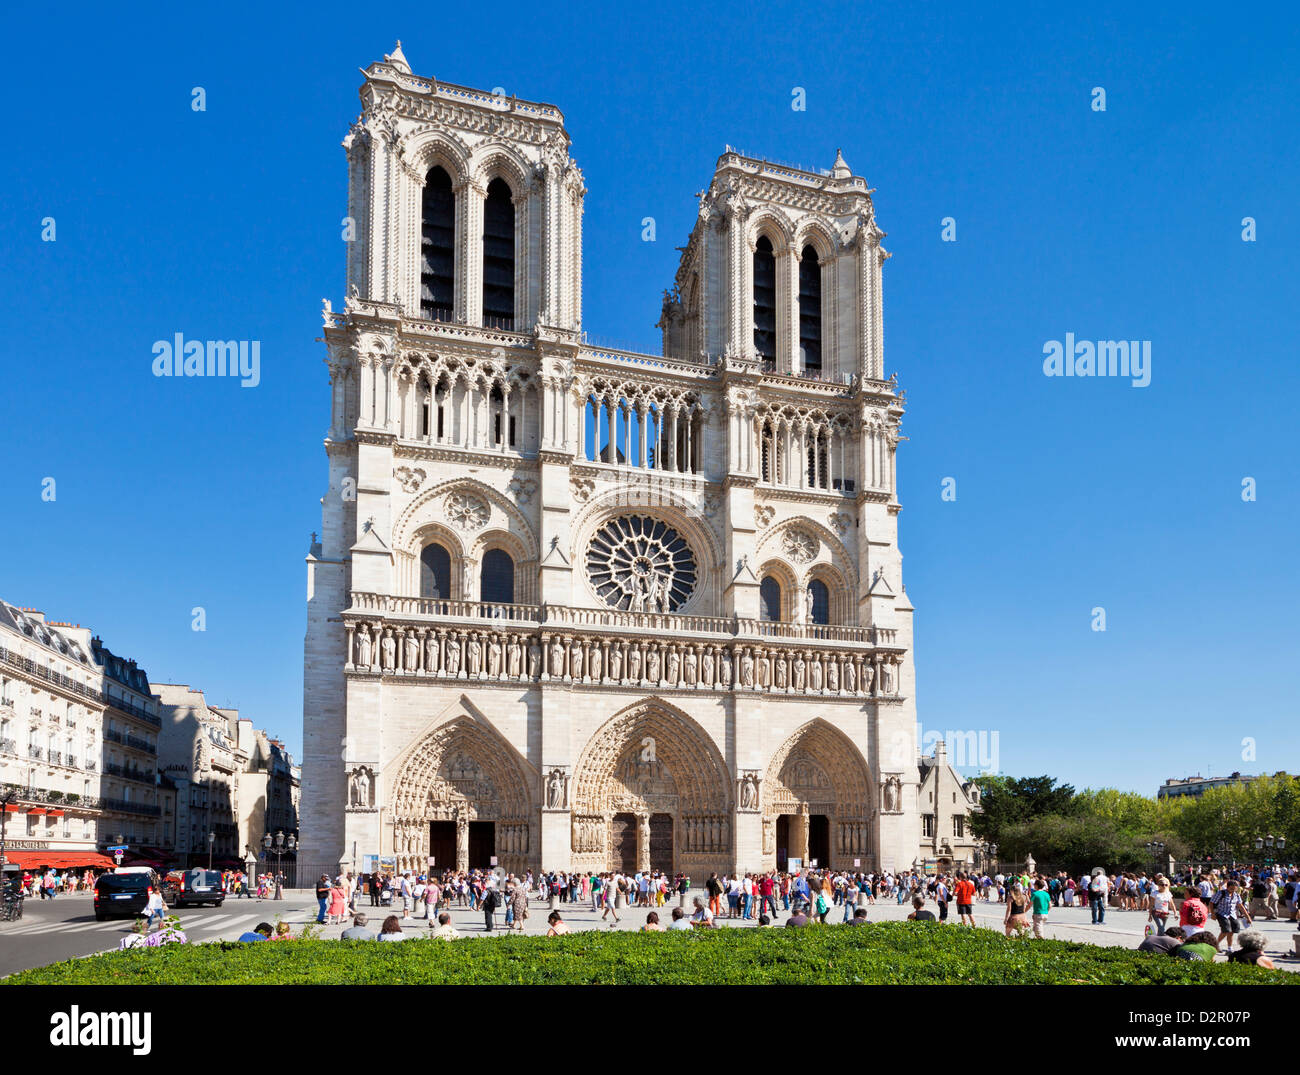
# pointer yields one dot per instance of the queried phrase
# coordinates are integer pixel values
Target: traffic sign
(119, 847)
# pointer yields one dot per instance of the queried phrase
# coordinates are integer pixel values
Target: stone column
(643, 842)
(800, 835)
(462, 843)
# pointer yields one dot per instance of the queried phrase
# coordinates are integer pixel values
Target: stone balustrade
(585, 653)
(655, 623)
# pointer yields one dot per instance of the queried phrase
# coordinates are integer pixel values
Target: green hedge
(885, 953)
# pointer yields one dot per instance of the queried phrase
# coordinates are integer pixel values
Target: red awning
(12, 808)
(55, 813)
(36, 811)
(59, 860)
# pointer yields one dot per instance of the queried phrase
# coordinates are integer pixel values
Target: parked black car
(123, 893)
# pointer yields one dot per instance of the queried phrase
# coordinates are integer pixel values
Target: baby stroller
(386, 895)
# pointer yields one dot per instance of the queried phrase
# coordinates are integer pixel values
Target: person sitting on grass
(444, 930)
(703, 917)
(680, 923)
(1251, 950)
(558, 927)
(357, 931)
(859, 917)
(260, 932)
(282, 932)
(1198, 946)
(391, 930)
(1168, 942)
(764, 920)
(652, 924)
(798, 919)
(919, 913)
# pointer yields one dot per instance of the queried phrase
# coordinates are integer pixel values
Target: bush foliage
(880, 954)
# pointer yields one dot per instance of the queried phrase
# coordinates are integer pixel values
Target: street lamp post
(279, 845)
(9, 795)
(1262, 842)
(212, 839)
(1155, 848)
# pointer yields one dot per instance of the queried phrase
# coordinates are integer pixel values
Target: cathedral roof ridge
(838, 178)
(394, 68)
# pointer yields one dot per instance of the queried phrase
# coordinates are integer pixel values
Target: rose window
(639, 564)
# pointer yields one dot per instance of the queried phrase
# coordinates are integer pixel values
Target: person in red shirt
(965, 892)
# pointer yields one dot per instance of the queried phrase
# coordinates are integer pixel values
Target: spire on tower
(840, 170)
(397, 59)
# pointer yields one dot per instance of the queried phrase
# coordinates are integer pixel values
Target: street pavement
(66, 927)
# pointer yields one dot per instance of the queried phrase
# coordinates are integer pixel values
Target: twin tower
(574, 607)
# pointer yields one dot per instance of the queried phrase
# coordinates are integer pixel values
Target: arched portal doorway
(817, 802)
(461, 798)
(652, 792)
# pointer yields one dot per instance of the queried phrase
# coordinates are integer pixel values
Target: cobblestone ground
(1122, 929)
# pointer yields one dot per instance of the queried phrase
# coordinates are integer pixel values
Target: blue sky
(1071, 493)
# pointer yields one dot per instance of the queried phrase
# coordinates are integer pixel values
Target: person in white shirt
(1098, 890)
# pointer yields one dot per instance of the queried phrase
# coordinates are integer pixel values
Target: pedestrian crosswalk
(223, 925)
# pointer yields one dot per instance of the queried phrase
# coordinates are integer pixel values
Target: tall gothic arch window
(499, 257)
(819, 602)
(437, 247)
(769, 599)
(765, 300)
(435, 572)
(497, 580)
(810, 311)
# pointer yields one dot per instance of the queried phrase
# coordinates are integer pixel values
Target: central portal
(442, 844)
(661, 842)
(482, 844)
(622, 843)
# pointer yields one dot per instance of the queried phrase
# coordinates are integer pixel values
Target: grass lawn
(886, 953)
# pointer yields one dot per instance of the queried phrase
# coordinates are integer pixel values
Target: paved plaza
(66, 928)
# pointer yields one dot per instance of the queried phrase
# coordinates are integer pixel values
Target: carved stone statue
(616, 662)
(746, 669)
(782, 673)
(389, 647)
(634, 664)
(887, 677)
(361, 788)
(594, 664)
(453, 656)
(850, 677)
(868, 674)
(411, 654)
(473, 655)
(724, 669)
(575, 659)
(833, 675)
(799, 669)
(690, 668)
(556, 790)
(674, 667)
(652, 665)
(431, 653)
(514, 657)
(363, 648)
(706, 668)
(893, 795)
(557, 659)
(534, 660)
(494, 656)
(815, 674)
(764, 668)
(749, 792)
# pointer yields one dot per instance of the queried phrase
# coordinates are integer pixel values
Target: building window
(497, 581)
(499, 257)
(927, 824)
(819, 602)
(765, 300)
(769, 599)
(959, 825)
(435, 572)
(810, 311)
(437, 247)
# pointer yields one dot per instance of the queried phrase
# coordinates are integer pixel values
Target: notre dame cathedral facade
(581, 607)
